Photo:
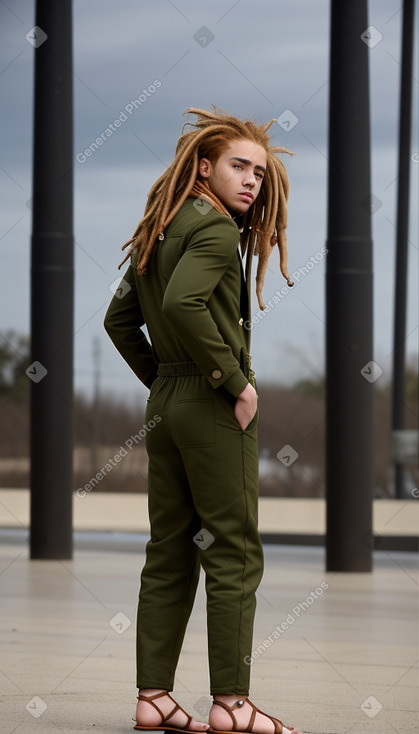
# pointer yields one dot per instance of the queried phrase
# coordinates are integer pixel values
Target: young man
(186, 283)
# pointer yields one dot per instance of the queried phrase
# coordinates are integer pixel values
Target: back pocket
(193, 423)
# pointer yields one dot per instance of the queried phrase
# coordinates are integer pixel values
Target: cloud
(262, 59)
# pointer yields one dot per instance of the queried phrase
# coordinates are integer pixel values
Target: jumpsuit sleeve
(123, 322)
(207, 256)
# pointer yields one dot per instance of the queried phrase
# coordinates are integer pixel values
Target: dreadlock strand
(264, 222)
(148, 213)
(203, 116)
(260, 277)
(266, 232)
(257, 225)
(267, 125)
(271, 203)
(179, 171)
(281, 224)
(176, 181)
(188, 188)
(283, 256)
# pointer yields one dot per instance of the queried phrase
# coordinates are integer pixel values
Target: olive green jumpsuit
(203, 468)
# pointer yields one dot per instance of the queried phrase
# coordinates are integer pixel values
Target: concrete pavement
(333, 653)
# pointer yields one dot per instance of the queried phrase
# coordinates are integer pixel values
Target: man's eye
(237, 165)
(259, 175)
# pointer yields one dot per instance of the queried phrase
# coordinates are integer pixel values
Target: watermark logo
(371, 371)
(287, 455)
(203, 539)
(371, 36)
(202, 707)
(371, 203)
(36, 707)
(120, 287)
(36, 371)
(202, 206)
(120, 622)
(36, 36)
(371, 707)
(292, 617)
(287, 120)
(123, 116)
(115, 460)
(203, 36)
(280, 294)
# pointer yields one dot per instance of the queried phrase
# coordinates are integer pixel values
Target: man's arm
(123, 322)
(207, 256)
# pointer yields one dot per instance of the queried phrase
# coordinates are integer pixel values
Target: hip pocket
(192, 423)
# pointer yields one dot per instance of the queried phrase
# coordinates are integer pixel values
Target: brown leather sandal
(164, 726)
(278, 725)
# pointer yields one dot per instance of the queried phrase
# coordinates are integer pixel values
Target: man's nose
(249, 179)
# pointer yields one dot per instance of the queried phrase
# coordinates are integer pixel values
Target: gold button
(216, 374)
(240, 322)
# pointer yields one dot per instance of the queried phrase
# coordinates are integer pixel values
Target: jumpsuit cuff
(236, 383)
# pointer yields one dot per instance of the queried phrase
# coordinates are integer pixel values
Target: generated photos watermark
(120, 622)
(123, 116)
(36, 36)
(371, 371)
(115, 460)
(36, 371)
(291, 618)
(287, 120)
(36, 707)
(287, 455)
(203, 539)
(371, 706)
(280, 294)
(371, 36)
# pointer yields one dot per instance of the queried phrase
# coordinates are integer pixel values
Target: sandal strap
(252, 717)
(275, 722)
(229, 711)
(278, 725)
(165, 719)
(150, 698)
(272, 718)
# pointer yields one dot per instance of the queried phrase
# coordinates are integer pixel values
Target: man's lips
(247, 196)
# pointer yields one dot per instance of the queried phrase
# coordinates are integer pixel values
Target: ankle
(149, 692)
(229, 698)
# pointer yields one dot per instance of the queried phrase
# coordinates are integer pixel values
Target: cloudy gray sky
(256, 59)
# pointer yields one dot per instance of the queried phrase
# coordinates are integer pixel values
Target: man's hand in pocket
(246, 406)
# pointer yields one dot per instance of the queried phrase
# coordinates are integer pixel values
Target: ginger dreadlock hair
(265, 221)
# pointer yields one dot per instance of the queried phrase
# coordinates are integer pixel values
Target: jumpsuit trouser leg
(203, 475)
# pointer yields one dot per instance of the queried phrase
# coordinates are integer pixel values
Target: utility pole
(51, 370)
(96, 406)
(403, 190)
(349, 289)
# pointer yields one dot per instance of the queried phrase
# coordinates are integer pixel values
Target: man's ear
(204, 168)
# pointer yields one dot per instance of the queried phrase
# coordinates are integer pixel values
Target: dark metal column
(405, 127)
(52, 285)
(349, 392)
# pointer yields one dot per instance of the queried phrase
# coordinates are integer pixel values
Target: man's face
(237, 175)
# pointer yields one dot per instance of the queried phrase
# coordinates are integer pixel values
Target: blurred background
(143, 65)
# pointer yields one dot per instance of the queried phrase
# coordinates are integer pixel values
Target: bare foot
(241, 708)
(163, 708)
